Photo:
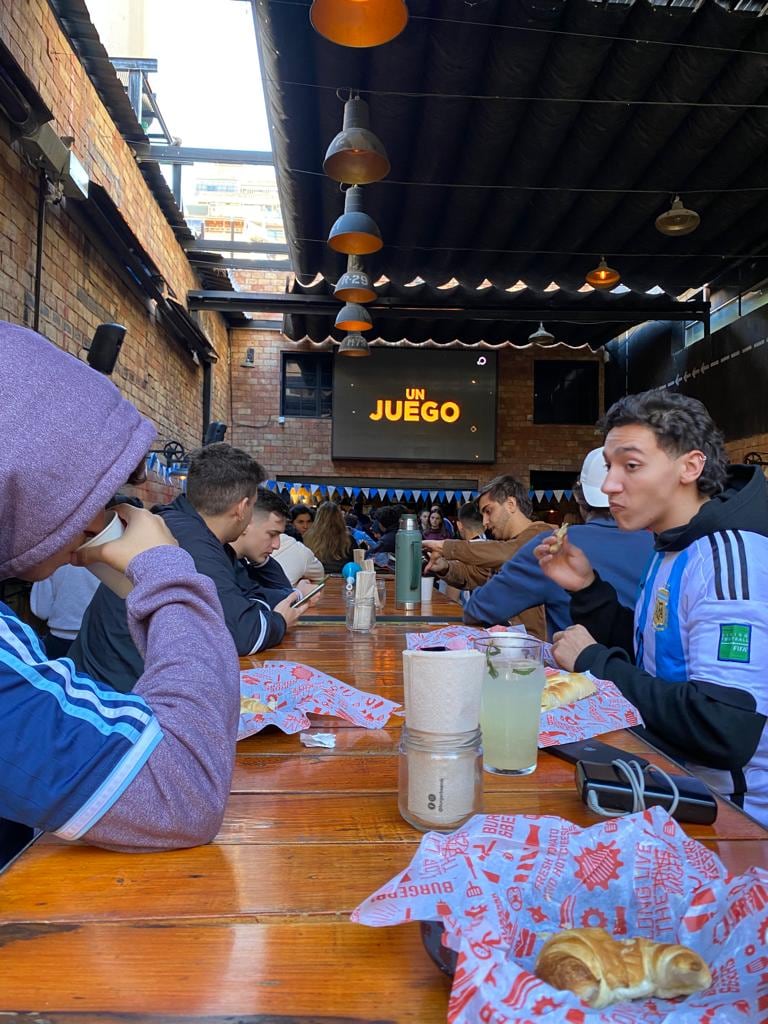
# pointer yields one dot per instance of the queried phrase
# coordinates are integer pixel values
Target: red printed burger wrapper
(502, 885)
(283, 693)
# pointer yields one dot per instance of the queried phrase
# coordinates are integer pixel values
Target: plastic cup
(117, 582)
(427, 589)
(510, 704)
(381, 594)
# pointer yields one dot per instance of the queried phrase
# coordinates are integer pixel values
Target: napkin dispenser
(613, 792)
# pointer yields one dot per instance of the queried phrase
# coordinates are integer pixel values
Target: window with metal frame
(306, 385)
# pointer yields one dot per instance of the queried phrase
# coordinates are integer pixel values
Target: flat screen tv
(415, 405)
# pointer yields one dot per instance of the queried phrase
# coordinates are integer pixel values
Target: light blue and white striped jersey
(702, 614)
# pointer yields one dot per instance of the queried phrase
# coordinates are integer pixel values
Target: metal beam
(133, 63)
(233, 263)
(326, 305)
(222, 245)
(193, 155)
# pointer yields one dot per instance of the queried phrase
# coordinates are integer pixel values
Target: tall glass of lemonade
(511, 702)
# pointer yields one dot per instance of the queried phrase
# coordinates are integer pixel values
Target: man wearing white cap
(620, 557)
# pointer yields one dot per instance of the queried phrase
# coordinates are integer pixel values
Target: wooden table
(256, 924)
(331, 605)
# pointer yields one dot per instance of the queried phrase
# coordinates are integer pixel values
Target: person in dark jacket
(621, 558)
(693, 656)
(221, 490)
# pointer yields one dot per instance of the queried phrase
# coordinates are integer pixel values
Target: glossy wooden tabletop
(256, 924)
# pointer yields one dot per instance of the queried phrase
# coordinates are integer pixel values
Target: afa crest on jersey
(661, 609)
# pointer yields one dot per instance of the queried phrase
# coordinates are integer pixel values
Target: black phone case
(594, 751)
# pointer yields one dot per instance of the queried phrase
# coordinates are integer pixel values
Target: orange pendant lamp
(354, 318)
(603, 277)
(355, 233)
(359, 23)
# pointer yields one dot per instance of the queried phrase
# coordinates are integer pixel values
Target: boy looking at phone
(216, 510)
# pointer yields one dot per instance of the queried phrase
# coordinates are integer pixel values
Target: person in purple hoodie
(149, 770)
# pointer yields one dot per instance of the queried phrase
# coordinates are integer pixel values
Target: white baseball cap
(592, 477)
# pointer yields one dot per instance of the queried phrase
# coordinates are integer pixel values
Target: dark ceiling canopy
(527, 139)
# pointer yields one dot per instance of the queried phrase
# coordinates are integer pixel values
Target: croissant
(602, 970)
(565, 688)
(559, 536)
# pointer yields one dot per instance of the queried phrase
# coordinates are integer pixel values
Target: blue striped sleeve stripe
(114, 785)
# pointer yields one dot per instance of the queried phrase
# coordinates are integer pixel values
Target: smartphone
(313, 591)
(594, 752)
(15, 838)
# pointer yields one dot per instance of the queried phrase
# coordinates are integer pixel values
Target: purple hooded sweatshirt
(148, 770)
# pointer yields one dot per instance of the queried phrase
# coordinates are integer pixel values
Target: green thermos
(408, 563)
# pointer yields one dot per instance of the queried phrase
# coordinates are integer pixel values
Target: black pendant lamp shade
(353, 317)
(541, 336)
(356, 155)
(359, 22)
(355, 233)
(354, 345)
(354, 285)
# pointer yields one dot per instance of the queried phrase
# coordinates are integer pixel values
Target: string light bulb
(603, 277)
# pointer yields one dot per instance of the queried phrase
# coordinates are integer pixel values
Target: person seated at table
(328, 537)
(436, 528)
(358, 535)
(469, 526)
(297, 561)
(301, 518)
(385, 526)
(693, 656)
(621, 558)
(261, 575)
(505, 508)
(221, 490)
(148, 771)
(61, 601)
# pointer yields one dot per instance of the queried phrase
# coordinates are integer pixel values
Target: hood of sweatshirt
(69, 441)
(742, 505)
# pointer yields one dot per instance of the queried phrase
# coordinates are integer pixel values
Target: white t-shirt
(298, 562)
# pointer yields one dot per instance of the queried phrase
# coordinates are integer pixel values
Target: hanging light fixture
(603, 277)
(353, 317)
(355, 233)
(541, 336)
(359, 22)
(354, 345)
(355, 285)
(677, 220)
(356, 155)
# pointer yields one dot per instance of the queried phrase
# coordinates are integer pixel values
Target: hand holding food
(563, 562)
(602, 970)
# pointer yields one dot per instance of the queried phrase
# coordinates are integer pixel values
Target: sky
(208, 83)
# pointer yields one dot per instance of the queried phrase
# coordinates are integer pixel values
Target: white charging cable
(635, 776)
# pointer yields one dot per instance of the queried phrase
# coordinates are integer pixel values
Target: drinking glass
(381, 594)
(510, 705)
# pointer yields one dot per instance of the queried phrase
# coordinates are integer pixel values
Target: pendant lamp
(677, 220)
(352, 317)
(356, 155)
(355, 233)
(354, 345)
(359, 22)
(541, 336)
(355, 285)
(603, 277)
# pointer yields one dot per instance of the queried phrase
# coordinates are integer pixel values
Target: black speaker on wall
(105, 347)
(215, 432)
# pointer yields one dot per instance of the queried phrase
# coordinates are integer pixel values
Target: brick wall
(302, 447)
(79, 287)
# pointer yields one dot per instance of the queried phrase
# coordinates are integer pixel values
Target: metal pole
(42, 195)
